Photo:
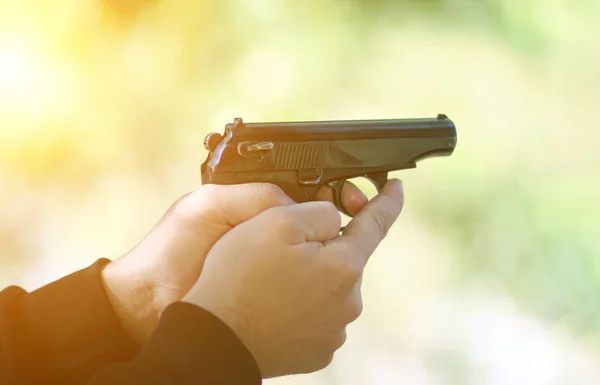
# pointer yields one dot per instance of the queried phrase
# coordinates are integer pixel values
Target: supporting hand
(288, 284)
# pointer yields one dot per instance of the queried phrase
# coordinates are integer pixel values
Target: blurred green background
(492, 274)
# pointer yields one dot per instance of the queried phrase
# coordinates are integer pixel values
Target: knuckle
(201, 199)
(282, 219)
(330, 214)
(329, 208)
(334, 213)
(188, 208)
(339, 340)
(319, 362)
(207, 191)
(327, 349)
(324, 350)
(270, 193)
(382, 222)
(355, 308)
(350, 272)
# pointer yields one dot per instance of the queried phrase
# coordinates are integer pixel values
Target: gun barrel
(441, 126)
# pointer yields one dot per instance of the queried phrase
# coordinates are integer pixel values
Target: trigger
(337, 187)
(379, 180)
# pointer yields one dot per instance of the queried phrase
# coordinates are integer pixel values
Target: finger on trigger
(352, 198)
(372, 224)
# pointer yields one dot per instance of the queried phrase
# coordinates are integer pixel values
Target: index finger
(352, 198)
(366, 231)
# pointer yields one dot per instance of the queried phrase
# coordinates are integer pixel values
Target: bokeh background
(492, 274)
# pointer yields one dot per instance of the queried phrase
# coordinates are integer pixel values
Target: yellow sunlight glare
(31, 86)
(18, 76)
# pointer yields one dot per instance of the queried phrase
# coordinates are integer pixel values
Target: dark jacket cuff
(74, 328)
(190, 342)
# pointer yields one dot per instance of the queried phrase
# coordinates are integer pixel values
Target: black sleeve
(63, 333)
(189, 346)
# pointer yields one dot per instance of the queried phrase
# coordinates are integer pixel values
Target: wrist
(131, 298)
(229, 312)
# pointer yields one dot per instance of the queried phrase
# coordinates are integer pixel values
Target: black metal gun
(301, 157)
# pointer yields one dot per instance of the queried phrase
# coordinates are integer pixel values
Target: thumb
(234, 204)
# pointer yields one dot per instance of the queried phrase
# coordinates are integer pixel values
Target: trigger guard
(337, 187)
(379, 180)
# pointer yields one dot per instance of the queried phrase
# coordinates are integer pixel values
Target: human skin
(288, 284)
(165, 265)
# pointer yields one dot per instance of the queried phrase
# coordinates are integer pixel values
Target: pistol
(302, 157)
